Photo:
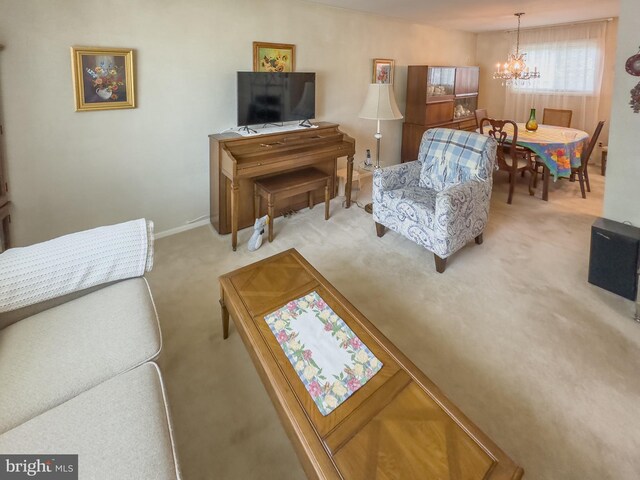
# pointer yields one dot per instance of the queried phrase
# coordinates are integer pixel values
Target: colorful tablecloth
(331, 361)
(559, 148)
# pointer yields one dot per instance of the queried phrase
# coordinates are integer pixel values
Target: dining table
(559, 149)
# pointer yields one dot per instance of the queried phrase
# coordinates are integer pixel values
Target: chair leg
(581, 180)
(479, 239)
(441, 263)
(586, 179)
(380, 229)
(534, 175)
(603, 164)
(512, 186)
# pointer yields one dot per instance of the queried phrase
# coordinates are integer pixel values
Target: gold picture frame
(274, 57)
(382, 70)
(102, 78)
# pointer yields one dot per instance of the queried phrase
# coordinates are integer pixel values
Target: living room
(512, 333)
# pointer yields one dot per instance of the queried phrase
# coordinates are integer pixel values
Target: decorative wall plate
(635, 98)
(633, 65)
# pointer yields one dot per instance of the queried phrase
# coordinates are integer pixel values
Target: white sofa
(78, 336)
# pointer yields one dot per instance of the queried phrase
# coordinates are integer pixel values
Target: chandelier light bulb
(515, 71)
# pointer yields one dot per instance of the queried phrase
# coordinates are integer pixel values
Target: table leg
(234, 216)
(546, 173)
(225, 316)
(310, 200)
(347, 188)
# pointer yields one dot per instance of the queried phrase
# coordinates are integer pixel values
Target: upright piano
(237, 161)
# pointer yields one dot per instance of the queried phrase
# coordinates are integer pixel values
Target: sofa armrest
(463, 208)
(74, 262)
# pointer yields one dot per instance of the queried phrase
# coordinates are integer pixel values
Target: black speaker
(614, 262)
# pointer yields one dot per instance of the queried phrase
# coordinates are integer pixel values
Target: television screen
(266, 97)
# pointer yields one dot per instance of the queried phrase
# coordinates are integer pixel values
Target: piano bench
(288, 185)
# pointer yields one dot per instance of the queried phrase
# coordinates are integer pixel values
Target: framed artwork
(102, 78)
(382, 70)
(273, 57)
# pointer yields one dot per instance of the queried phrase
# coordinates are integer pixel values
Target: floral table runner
(329, 358)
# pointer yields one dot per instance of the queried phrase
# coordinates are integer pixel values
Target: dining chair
(586, 155)
(582, 171)
(480, 114)
(509, 158)
(559, 118)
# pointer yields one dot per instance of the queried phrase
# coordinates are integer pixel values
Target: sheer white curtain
(570, 60)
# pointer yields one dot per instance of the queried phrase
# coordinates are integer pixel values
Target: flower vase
(532, 124)
(104, 93)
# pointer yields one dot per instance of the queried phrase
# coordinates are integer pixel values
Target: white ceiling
(484, 15)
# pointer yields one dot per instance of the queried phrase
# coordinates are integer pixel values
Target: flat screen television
(266, 97)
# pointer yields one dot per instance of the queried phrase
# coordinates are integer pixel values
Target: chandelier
(515, 70)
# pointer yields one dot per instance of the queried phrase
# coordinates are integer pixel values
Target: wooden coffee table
(398, 425)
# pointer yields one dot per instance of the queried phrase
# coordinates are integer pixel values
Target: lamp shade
(380, 103)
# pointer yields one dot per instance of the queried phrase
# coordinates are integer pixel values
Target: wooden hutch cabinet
(438, 97)
(5, 205)
(4, 202)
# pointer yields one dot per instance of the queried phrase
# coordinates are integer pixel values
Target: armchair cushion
(450, 157)
(413, 203)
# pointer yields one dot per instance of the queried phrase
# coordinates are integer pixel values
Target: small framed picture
(273, 57)
(102, 78)
(382, 70)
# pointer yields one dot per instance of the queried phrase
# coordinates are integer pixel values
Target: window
(569, 67)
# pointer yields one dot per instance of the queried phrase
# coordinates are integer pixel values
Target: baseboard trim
(184, 228)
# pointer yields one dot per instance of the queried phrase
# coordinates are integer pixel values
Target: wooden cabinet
(438, 97)
(467, 80)
(4, 200)
(5, 205)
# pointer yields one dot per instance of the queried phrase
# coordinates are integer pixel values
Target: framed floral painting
(102, 78)
(382, 70)
(273, 57)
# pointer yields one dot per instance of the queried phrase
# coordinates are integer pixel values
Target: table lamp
(380, 104)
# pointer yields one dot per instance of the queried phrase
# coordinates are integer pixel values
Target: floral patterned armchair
(441, 200)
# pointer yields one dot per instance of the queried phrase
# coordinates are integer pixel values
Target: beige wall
(493, 47)
(622, 188)
(73, 170)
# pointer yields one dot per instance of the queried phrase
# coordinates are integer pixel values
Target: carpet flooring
(543, 362)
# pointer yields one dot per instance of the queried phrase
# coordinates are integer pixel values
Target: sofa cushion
(119, 429)
(53, 356)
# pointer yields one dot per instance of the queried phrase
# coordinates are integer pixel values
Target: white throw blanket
(74, 262)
